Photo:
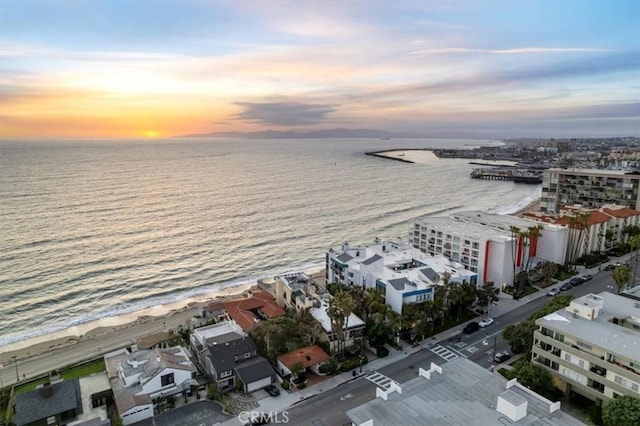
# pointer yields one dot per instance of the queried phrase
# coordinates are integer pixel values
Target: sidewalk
(286, 400)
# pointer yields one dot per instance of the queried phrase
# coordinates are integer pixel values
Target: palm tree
(340, 308)
(395, 322)
(621, 276)
(515, 241)
(577, 226)
(456, 299)
(373, 299)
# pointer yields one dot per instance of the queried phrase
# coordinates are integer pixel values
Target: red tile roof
(622, 212)
(593, 218)
(242, 310)
(309, 356)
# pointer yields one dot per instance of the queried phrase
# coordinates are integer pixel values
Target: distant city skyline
(486, 69)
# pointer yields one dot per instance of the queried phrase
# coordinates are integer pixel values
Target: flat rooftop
(464, 394)
(320, 314)
(600, 331)
(595, 172)
(501, 221)
(470, 230)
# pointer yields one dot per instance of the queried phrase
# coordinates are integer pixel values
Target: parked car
(566, 287)
(553, 291)
(486, 322)
(587, 277)
(501, 357)
(272, 390)
(576, 281)
(471, 327)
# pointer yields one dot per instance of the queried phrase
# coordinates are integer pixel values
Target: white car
(485, 322)
(553, 292)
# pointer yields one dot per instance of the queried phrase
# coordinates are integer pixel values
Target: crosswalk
(380, 380)
(444, 353)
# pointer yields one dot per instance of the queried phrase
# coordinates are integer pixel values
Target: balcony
(598, 370)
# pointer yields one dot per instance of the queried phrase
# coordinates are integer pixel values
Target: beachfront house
(296, 291)
(138, 378)
(353, 327)
(52, 404)
(228, 356)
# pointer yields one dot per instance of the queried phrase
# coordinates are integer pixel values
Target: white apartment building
(403, 273)
(483, 243)
(592, 346)
(590, 188)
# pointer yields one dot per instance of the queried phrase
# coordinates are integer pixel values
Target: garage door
(259, 384)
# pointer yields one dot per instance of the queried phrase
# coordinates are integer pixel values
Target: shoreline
(120, 330)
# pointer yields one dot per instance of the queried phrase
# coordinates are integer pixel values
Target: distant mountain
(329, 133)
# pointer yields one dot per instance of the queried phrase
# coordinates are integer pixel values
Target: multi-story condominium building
(589, 188)
(484, 243)
(403, 273)
(592, 346)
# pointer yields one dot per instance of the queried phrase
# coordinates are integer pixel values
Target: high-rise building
(589, 188)
(592, 347)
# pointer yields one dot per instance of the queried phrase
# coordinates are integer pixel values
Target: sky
(157, 69)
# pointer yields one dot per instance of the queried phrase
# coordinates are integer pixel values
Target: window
(167, 379)
(225, 373)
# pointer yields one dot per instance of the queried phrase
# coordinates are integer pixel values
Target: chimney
(47, 390)
(345, 246)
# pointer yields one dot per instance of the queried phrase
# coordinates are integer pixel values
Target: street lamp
(15, 361)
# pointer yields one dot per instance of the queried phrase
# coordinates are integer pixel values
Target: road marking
(460, 345)
(347, 396)
(444, 353)
(380, 380)
(472, 349)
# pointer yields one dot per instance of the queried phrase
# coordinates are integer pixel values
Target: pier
(509, 173)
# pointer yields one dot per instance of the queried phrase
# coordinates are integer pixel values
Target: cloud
(514, 51)
(284, 113)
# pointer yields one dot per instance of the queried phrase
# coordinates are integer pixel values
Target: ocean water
(99, 228)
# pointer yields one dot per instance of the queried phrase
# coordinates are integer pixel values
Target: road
(328, 409)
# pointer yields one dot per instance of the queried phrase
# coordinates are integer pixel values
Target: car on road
(471, 327)
(272, 390)
(486, 322)
(501, 357)
(553, 291)
(566, 287)
(576, 281)
(587, 277)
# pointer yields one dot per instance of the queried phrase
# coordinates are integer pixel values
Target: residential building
(353, 326)
(459, 392)
(52, 404)
(590, 188)
(484, 243)
(139, 377)
(296, 291)
(96, 394)
(255, 307)
(309, 358)
(404, 274)
(592, 347)
(609, 219)
(228, 355)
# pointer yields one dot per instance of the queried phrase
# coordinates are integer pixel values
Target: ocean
(93, 229)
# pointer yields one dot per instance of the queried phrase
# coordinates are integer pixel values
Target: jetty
(532, 176)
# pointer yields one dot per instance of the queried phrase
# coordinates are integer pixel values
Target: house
(52, 404)
(401, 272)
(353, 326)
(310, 358)
(161, 339)
(296, 291)
(201, 337)
(231, 359)
(214, 311)
(255, 307)
(137, 378)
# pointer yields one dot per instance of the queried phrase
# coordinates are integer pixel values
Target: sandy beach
(119, 330)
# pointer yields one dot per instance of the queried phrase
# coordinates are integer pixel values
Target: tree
(515, 241)
(340, 308)
(621, 276)
(624, 410)
(373, 300)
(394, 320)
(519, 336)
(535, 377)
(487, 294)
(548, 270)
(577, 228)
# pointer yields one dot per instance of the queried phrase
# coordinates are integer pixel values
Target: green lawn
(82, 370)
